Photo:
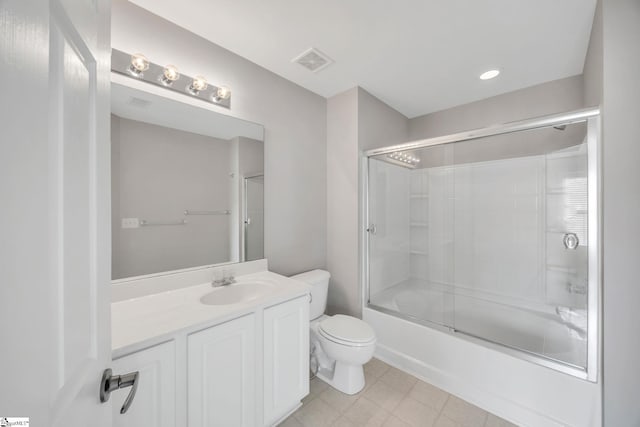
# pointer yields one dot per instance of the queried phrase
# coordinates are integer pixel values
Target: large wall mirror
(187, 185)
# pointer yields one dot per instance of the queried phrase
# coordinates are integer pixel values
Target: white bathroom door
(54, 223)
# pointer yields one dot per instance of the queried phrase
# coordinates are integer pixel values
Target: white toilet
(340, 344)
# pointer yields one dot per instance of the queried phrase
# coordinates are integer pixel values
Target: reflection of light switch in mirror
(130, 223)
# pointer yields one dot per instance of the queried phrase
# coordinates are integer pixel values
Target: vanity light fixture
(169, 75)
(222, 93)
(487, 75)
(139, 64)
(198, 84)
(139, 67)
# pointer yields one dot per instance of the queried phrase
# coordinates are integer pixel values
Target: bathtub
(494, 377)
(559, 335)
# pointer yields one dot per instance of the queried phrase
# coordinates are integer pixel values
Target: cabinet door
(286, 357)
(221, 375)
(154, 404)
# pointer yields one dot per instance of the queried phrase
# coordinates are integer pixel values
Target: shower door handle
(372, 229)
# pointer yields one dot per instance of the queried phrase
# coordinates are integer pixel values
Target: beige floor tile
(338, 400)
(429, 395)
(394, 421)
(308, 398)
(464, 413)
(369, 380)
(366, 413)
(445, 422)
(291, 422)
(384, 395)
(398, 379)
(316, 413)
(494, 421)
(344, 422)
(317, 386)
(376, 367)
(391, 397)
(415, 413)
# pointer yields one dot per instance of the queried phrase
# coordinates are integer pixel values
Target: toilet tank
(319, 281)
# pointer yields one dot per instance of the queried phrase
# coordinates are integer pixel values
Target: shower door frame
(590, 116)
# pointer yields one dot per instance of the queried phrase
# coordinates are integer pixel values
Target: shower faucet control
(571, 241)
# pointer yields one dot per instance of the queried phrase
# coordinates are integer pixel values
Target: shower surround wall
(491, 230)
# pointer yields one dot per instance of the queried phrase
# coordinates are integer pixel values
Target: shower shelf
(418, 196)
(419, 224)
(418, 253)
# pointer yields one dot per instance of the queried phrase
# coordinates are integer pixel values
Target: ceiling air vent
(314, 60)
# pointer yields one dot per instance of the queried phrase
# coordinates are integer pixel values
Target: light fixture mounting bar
(121, 64)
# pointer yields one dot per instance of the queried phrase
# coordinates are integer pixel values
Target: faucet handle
(228, 277)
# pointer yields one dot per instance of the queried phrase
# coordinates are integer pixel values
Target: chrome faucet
(227, 279)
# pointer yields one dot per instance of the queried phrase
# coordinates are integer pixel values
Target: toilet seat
(347, 330)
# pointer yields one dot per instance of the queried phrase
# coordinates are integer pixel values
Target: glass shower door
(408, 272)
(254, 217)
(493, 235)
(520, 212)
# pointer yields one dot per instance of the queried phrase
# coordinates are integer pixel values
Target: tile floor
(390, 398)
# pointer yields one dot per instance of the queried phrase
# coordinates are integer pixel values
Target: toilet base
(348, 379)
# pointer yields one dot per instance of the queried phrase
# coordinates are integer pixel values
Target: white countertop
(141, 322)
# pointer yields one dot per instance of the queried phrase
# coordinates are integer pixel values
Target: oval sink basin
(237, 293)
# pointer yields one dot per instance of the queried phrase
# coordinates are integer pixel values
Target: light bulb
(223, 92)
(170, 74)
(199, 83)
(139, 64)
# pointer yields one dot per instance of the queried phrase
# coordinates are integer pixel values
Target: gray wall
(621, 129)
(157, 173)
(356, 121)
(342, 202)
(547, 98)
(592, 73)
(379, 125)
(295, 130)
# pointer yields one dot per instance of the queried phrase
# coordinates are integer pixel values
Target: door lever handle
(111, 382)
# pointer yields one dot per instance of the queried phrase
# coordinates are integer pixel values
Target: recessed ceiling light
(489, 74)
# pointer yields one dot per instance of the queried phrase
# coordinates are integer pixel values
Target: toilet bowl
(339, 345)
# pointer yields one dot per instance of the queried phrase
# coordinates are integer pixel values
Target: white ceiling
(418, 56)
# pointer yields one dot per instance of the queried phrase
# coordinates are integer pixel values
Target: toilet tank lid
(313, 277)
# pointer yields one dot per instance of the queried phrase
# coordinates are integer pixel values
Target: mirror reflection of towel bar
(224, 212)
(145, 223)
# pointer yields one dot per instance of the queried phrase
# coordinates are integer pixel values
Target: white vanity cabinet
(286, 357)
(241, 365)
(154, 404)
(221, 375)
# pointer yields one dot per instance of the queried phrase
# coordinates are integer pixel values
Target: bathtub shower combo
(492, 236)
